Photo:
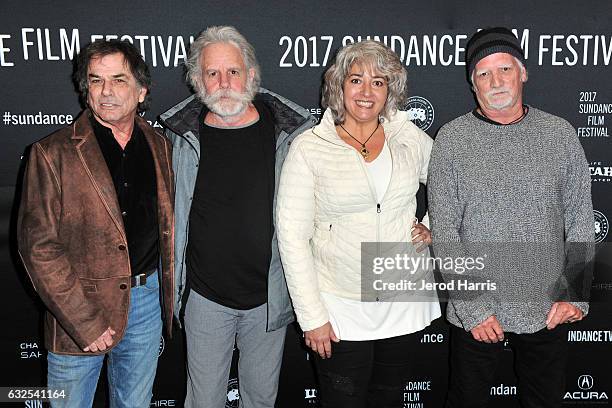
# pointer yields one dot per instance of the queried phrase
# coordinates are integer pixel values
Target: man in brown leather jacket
(95, 233)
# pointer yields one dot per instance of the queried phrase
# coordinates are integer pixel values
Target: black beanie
(491, 41)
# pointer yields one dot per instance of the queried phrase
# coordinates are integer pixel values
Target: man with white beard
(512, 183)
(229, 143)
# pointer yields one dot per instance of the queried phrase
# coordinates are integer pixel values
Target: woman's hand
(421, 234)
(319, 339)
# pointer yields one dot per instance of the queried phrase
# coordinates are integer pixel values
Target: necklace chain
(520, 117)
(364, 150)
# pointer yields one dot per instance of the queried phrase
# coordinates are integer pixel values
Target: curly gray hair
(220, 34)
(382, 60)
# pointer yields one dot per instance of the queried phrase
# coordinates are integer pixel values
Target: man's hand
(420, 233)
(319, 339)
(101, 343)
(489, 331)
(562, 312)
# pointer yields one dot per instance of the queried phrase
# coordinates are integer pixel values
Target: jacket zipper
(372, 190)
(378, 205)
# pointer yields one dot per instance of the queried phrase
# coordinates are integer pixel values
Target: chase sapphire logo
(601, 226)
(420, 111)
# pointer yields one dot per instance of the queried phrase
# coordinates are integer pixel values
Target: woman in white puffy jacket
(352, 179)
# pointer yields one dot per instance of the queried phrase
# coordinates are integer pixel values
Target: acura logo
(585, 382)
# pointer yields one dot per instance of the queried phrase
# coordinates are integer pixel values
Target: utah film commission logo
(233, 396)
(601, 226)
(420, 111)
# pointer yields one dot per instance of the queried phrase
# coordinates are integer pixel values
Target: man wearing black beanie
(514, 180)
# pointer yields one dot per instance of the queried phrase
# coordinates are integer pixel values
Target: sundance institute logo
(420, 111)
(601, 226)
(233, 395)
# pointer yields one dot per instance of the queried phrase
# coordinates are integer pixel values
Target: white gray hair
(375, 54)
(220, 34)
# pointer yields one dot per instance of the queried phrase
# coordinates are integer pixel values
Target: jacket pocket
(323, 247)
(322, 233)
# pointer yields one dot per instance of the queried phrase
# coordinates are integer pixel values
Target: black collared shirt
(133, 172)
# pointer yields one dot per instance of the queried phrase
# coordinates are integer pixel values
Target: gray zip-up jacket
(182, 128)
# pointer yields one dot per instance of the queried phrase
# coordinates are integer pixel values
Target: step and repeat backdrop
(568, 47)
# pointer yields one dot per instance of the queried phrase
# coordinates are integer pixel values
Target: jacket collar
(82, 130)
(183, 117)
(288, 116)
(93, 161)
(326, 129)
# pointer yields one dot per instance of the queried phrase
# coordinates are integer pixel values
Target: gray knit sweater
(524, 190)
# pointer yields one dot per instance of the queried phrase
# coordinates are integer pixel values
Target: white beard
(498, 104)
(227, 102)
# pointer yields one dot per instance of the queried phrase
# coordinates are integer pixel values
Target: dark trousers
(539, 361)
(363, 374)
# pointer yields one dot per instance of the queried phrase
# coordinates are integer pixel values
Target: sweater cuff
(471, 314)
(583, 306)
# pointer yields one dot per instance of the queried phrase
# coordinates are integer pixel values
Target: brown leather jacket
(72, 241)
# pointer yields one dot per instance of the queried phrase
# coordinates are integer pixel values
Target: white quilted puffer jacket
(327, 207)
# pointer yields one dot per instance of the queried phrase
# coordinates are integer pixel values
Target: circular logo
(585, 382)
(420, 111)
(233, 396)
(601, 226)
(162, 346)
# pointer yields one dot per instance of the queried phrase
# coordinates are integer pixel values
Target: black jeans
(363, 374)
(539, 361)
